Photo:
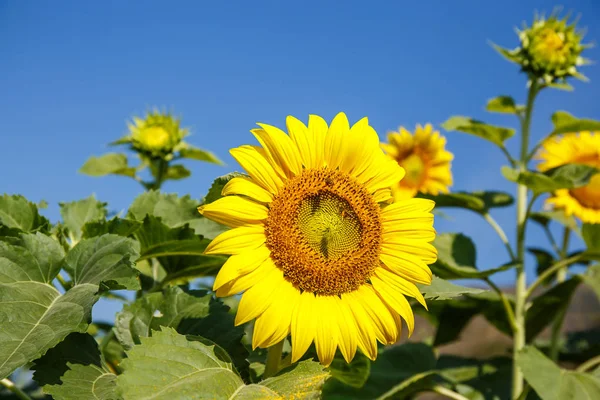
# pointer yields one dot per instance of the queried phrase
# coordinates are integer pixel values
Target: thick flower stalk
(319, 247)
(424, 158)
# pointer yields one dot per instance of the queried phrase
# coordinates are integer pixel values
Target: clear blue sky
(72, 73)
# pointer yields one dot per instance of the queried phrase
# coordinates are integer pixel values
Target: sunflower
(157, 134)
(318, 246)
(573, 148)
(424, 158)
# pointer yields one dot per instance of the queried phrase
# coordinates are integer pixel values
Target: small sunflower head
(550, 50)
(156, 135)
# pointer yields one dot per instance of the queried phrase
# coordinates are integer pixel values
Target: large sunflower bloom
(573, 148)
(318, 246)
(425, 159)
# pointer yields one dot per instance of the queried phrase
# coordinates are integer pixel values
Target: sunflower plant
(300, 275)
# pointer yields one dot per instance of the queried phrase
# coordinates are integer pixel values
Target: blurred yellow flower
(573, 148)
(319, 247)
(157, 134)
(425, 159)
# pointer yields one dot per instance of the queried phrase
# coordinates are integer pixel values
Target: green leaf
(194, 313)
(214, 193)
(18, 213)
(591, 236)
(567, 123)
(178, 250)
(561, 86)
(444, 290)
(567, 176)
(355, 373)
(116, 226)
(548, 305)
(456, 258)
(195, 153)
(398, 371)
(33, 315)
(544, 217)
(174, 212)
(77, 348)
(110, 163)
(452, 319)
(85, 382)
(191, 365)
(106, 261)
(553, 383)
(479, 202)
(495, 134)
(544, 261)
(592, 278)
(77, 213)
(510, 55)
(503, 104)
(176, 172)
(478, 379)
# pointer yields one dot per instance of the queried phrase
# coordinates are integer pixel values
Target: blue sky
(73, 72)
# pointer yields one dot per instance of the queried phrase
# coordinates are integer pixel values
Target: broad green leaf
(110, 163)
(116, 226)
(191, 365)
(18, 213)
(179, 250)
(553, 383)
(503, 104)
(548, 305)
(495, 134)
(444, 290)
(479, 202)
(452, 319)
(214, 193)
(567, 123)
(544, 217)
(176, 172)
(592, 278)
(77, 348)
(77, 213)
(355, 373)
(567, 176)
(194, 313)
(544, 261)
(195, 153)
(85, 382)
(108, 262)
(174, 212)
(398, 371)
(591, 236)
(456, 258)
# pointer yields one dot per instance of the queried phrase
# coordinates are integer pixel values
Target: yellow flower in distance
(425, 159)
(157, 134)
(318, 246)
(573, 148)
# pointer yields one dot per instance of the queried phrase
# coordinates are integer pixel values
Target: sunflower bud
(157, 135)
(550, 50)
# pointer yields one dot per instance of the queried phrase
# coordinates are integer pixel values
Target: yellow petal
(382, 195)
(385, 174)
(241, 264)
(304, 325)
(365, 327)
(396, 300)
(404, 286)
(245, 282)
(366, 145)
(237, 240)
(336, 141)
(235, 211)
(273, 325)
(302, 139)
(246, 187)
(348, 335)
(257, 167)
(317, 127)
(386, 330)
(410, 208)
(396, 244)
(259, 297)
(326, 332)
(280, 147)
(407, 265)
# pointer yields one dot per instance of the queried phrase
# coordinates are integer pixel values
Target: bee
(328, 181)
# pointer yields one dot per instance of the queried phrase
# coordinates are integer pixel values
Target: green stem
(439, 389)
(561, 276)
(490, 220)
(507, 307)
(521, 283)
(589, 364)
(556, 267)
(162, 167)
(11, 386)
(273, 359)
(551, 240)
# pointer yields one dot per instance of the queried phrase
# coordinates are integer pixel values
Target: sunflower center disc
(324, 232)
